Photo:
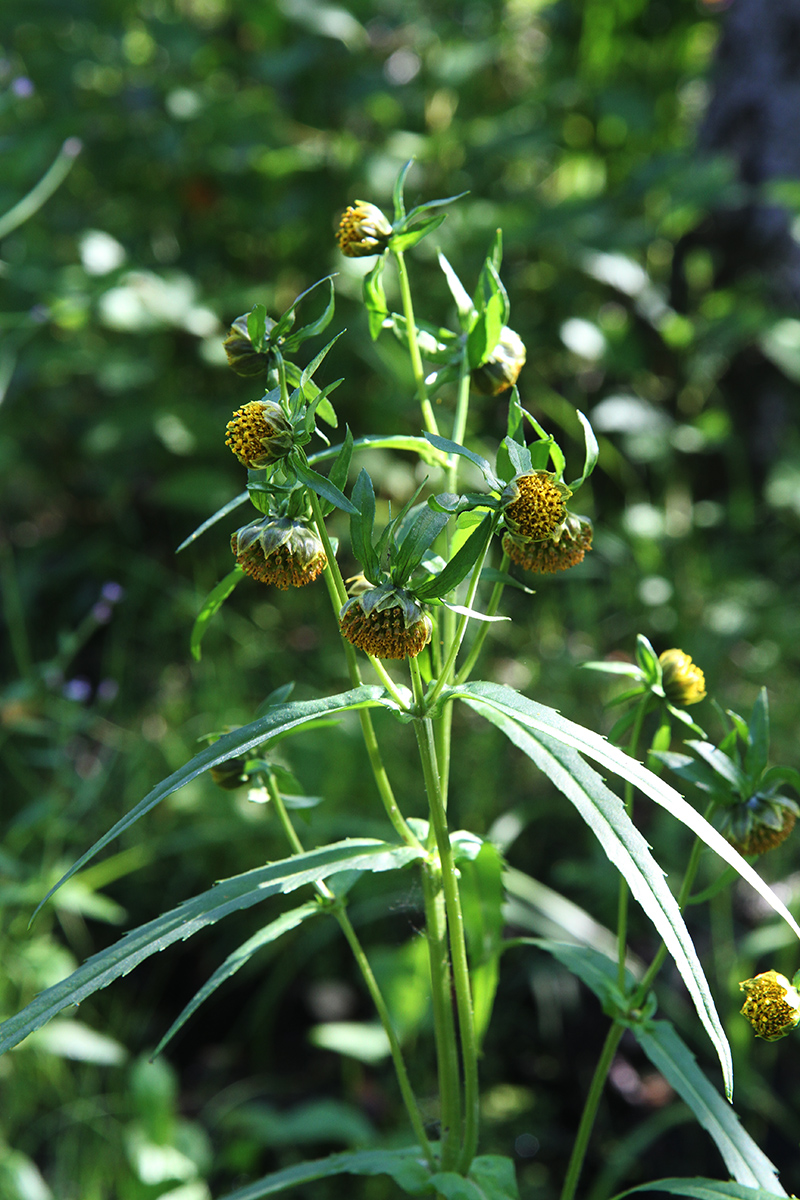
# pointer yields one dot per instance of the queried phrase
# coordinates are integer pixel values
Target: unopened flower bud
(558, 553)
(386, 622)
(535, 505)
(243, 358)
(259, 433)
(363, 230)
(772, 1006)
(280, 551)
(502, 367)
(230, 774)
(683, 682)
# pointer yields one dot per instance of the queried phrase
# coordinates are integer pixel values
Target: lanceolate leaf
(592, 451)
(703, 1189)
(322, 486)
(605, 815)
(265, 937)
(485, 466)
(362, 523)
(218, 515)
(744, 1159)
(278, 721)
(406, 1167)
(460, 564)
(211, 605)
(417, 445)
(231, 895)
(673, 1058)
(537, 717)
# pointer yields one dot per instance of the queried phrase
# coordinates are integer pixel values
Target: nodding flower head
(280, 551)
(386, 622)
(759, 824)
(502, 367)
(243, 358)
(259, 433)
(772, 1006)
(535, 506)
(363, 230)
(230, 774)
(683, 682)
(565, 549)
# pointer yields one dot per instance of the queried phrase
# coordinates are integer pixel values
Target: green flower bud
(243, 358)
(280, 551)
(502, 367)
(363, 230)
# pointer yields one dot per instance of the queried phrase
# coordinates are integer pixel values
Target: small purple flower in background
(78, 689)
(112, 592)
(102, 612)
(22, 87)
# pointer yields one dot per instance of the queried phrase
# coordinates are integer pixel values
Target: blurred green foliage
(221, 141)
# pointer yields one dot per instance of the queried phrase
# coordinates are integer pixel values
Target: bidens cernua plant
(411, 623)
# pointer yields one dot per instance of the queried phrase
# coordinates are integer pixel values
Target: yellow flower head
(683, 682)
(772, 1006)
(363, 230)
(502, 367)
(259, 433)
(279, 551)
(535, 505)
(386, 622)
(558, 553)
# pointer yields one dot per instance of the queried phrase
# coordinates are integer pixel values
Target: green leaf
(591, 966)
(315, 327)
(757, 753)
(485, 333)
(341, 467)
(614, 668)
(218, 515)
(239, 958)
(490, 1177)
(482, 899)
(211, 606)
(287, 319)
(703, 1189)
(417, 541)
(409, 238)
(275, 723)
(308, 371)
(492, 575)
(362, 523)
(397, 191)
(416, 445)
(625, 847)
(322, 486)
(647, 659)
(540, 718)
(518, 456)
(460, 564)
(375, 298)
(257, 326)
(406, 1167)
(722, 766)
(672, 1057)
(463, 300)
(428, 204)
(592, 451)
(482, 463)
(228, 896)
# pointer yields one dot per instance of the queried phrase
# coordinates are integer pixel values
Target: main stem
(428, 418)
(455, 924)
(622, 901)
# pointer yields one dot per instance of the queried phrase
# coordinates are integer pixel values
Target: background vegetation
(221, 141)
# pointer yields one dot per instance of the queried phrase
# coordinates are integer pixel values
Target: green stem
(584, 1133)
(443, 1019)
(480, 637)
(43, 190)
(337, 908)
(624, 894)
(452, 655)
(455, 925)
(429, 420)
(336, 589)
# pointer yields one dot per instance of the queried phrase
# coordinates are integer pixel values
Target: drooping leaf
(239, 958)
(275, 723)
(703, 1189)
(218, 515)
(406, 1167)
(224, 898)
(482, 463)
(322, 486)
(538, 717)
(211, 606)
(605, 815)
(416, 445)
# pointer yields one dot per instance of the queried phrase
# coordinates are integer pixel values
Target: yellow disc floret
(363, 230)
(537, 505)
(259, 433)
(553, 554)
(772, 1006)
(386, 622)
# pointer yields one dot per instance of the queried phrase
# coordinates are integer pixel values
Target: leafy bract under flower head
(363, 230)
(535, 505)
(772, 1006)
(683, 682)
(566, 549)
(243, 357)
(280, 551)
(259, 433)
(386, 622)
